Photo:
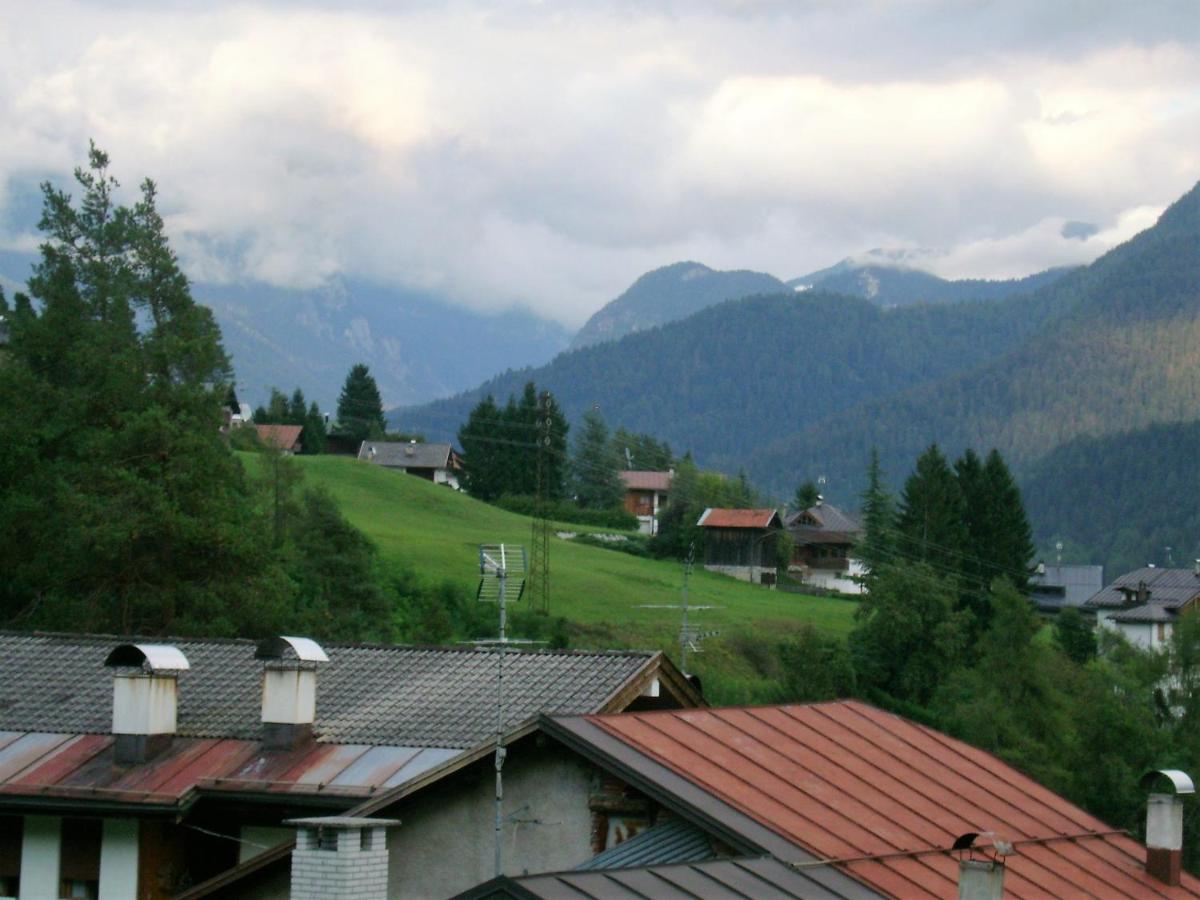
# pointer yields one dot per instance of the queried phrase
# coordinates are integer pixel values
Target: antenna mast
(539, 569)
(498, 566)
(689, 636)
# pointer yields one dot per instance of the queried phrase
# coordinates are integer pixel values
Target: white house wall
(40, 851)
(119, 860)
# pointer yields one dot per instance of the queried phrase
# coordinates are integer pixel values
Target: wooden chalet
(742, 543)
(646, 493)
(823, 540)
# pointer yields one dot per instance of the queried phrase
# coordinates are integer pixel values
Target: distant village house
(284, 438)
(645, 495)
(1145, 604)
(433, 462)
(1055, 587)
(742, 543)
(823, 540)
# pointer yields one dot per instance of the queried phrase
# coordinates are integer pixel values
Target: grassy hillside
(437, 531)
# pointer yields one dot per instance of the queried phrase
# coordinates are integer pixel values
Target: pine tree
(594, 468)
(482, 474)
(930, 525)
(878, 544)
(1010, 551)
(314, 431)
(297, 410)
(360, 408)
(806, 496)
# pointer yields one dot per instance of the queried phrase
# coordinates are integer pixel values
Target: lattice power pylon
(539, 544)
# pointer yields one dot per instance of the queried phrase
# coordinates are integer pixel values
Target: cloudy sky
(549, 153)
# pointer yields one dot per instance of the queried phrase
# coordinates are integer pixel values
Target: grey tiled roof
(1151, 612)
(1066, 585)
(405, 455)
(1168, 587)
(382, 695)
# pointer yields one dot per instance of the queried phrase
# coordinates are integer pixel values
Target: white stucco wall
(119, 860)
(838, 581)
(445, 843)
(40, 849)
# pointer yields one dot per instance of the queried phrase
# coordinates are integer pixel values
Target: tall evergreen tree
(878, 544)
(806, 496)
(930, 525)
(360, 408)
(314, 434)
(482, 475)
(594, 467)
(297, 411)
(1011, 549)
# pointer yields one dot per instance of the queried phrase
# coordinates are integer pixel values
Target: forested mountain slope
(1124, 354)
(896, 285)
(738, 375)
(1120, 500)
(668, 294)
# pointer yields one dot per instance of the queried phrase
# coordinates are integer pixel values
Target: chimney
(1164, 825)
(1196, 569)
(289, 695)
(980, 872)
(1041, 568)
(145, 698)
(340, 858)
(1143, 593)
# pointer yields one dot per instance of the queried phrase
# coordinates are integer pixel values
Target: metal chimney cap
(150, 657)
(1181, 781)
(277, 648)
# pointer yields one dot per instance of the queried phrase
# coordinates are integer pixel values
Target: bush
(634, 544)
(565, 511)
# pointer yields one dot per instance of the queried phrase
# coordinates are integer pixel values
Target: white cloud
(547, 156)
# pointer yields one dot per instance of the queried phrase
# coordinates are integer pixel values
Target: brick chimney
(1164, 825)
(145, 699)
(340, 858)
(289, 694)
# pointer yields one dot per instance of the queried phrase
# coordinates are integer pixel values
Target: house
(433, 462)
(645, 494)
(135, 767)
(742, 543)
(1144, 604)
(1058, 586)
(823, 540)
(829, 799)
(284, 438)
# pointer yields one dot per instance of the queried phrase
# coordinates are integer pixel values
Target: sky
(547, 154)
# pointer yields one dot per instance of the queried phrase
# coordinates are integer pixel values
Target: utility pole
(539, 568)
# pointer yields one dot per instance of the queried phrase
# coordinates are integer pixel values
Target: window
(11, 828)
(79, 858)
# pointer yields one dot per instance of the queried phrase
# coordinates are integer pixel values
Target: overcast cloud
(548, 154)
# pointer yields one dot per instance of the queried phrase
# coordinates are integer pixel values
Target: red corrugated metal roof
(281, 437)
(738, 518)
(846, 781)
(646, 481)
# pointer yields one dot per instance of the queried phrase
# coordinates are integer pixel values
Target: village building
(646, 493)
(823, 540)
(284, 438)
(1056, 587)
(1144, 604)
(743, 543)
(438, 463)
(136, 768)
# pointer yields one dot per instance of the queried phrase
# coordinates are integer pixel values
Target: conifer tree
(806, 496)
(877, 546)
(594, 467)
(930, 525)
(1010, 551)
(360, 408)
(482, 474)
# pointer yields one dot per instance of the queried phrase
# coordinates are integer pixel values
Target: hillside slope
(668, 294)
(1125, 354)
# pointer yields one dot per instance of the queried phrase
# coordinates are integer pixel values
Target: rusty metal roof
(366, 694)
(281, 437)
(81, 768)
(715, 517)
(882, 797)
(646, 480)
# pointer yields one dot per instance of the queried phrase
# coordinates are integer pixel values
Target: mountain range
(791, 385)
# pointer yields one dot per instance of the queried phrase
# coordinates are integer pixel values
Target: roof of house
(715, 517)
(1066, 585)
(718, 879)
(882, 797)
(647, 481)
(826, 517)
(1168, 587)
(407, 454)
(1148, 613)
(672, 841)
(366, 694)
(281, 437)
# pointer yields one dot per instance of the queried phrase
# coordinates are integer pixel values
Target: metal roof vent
(145, 699)
(1164, 825)
(289, 695)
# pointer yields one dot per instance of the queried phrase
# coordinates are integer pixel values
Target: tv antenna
(1058, 549)
(502, 570)
(689, 635)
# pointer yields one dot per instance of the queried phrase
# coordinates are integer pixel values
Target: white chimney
(1164, 825)
(289, 695)
(145, 699)
(340, 858)
(980, 872)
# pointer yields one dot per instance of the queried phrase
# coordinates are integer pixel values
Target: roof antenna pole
(502, 577)
(684, 635)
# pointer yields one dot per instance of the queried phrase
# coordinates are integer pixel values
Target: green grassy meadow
(436, 532)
